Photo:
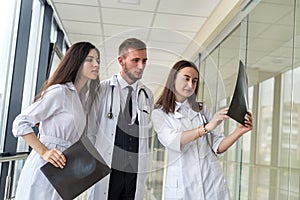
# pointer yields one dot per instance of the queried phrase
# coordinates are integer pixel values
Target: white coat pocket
(218, 178)
(172, 182)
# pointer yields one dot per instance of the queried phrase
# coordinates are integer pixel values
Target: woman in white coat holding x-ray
(60, 110)
(182, 125)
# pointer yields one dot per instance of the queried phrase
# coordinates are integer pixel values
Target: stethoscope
(110, 113)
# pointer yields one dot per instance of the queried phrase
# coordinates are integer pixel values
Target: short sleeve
(167, 134)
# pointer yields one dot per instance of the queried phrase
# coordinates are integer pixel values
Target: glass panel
(288, 184)
(294, 183)
(204, 91)
(9, 10)
(270, 53)
(270, 39)
(290, 137)
(232, 177)
(261, 188)
(245, 193)
(201, 84)
(156, 168)
(210, 76)
(30, 76)
(271, 49)
(56, 56)
(231, 153)
(32, 60)
(264, 129)
(229, 64)
(246, 149)
(228, 58)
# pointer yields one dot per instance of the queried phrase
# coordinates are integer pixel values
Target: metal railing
(10, 158)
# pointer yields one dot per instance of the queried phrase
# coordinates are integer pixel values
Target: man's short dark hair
(131, 43)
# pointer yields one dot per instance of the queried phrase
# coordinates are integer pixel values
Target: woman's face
(185, 83)
(90, 68)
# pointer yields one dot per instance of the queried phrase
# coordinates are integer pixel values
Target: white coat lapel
(192, 114)
(189, 112)
(177, 113)
(78, 112)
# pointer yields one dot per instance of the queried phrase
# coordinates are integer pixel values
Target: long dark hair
(167, 99)
(70, 66)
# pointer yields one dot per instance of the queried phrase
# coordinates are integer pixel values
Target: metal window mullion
(18, 77)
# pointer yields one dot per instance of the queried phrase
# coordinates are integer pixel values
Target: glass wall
(265, 163)
(31, 69)
(32, 60)
(264, 140)
(30, 64)
(9, 10)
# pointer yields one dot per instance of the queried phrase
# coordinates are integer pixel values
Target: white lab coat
(193, 170)
(62, 120)
(105, 137)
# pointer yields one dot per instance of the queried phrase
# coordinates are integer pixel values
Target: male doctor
(123, 117)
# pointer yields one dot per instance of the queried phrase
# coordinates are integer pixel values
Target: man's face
(133, 65)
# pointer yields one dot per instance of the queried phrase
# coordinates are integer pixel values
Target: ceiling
(168, 28)
(176, 30)
(270, 43)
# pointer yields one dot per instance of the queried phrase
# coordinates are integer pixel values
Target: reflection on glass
(288, 184)
(211, 72)
(245, 193)
(247, 137)
(33, 54)
(262, 183)
(271, 152)
(9, 10)
(54, 64)
(264, 129)
(290, 129)
(232, 153)
(232, 171)
(30, 76)
(156, 168)
(206, 98)
(229, 64)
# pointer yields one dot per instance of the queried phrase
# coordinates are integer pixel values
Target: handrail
(10, 158)
(7, 157)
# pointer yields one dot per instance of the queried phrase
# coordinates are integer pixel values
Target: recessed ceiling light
(130, 1)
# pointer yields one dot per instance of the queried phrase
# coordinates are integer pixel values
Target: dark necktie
(128, 104)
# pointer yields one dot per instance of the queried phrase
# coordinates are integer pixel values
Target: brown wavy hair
(167, 99)
(70, 66)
